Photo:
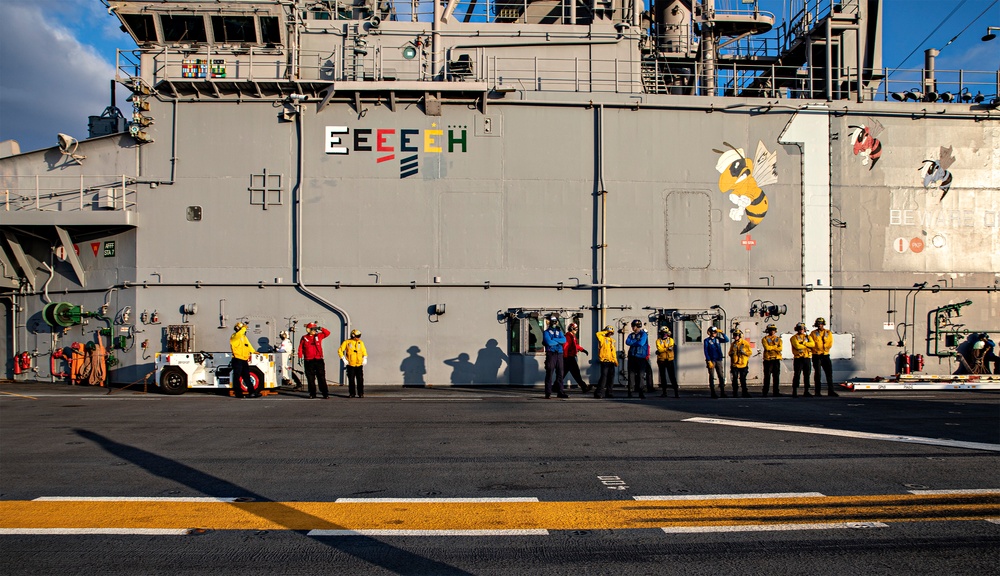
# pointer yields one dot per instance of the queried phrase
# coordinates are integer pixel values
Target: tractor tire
(256, 383)
(173, 381)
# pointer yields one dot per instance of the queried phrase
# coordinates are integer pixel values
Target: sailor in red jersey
(311, 351)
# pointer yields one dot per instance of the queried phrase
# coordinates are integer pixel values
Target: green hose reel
(62, 314)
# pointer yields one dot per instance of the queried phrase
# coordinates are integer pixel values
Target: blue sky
(57, 56)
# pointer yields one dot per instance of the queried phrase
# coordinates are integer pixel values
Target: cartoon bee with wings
(743, 178)
(866, 142)
(936, 171)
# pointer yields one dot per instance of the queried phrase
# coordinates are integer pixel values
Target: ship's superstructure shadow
(377, 553)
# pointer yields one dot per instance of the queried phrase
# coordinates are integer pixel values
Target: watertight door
(689, 336)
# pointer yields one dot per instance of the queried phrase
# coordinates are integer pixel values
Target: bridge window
(183, 28)
(140, 26)
(270, 33)
(234, 29)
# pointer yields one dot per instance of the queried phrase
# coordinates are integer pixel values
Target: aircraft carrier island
(442, 176)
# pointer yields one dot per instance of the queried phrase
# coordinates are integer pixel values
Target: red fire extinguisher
(902, 363)
(22, 363)
(917, 362)
(58, 353)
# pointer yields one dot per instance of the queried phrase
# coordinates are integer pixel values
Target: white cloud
(50, 82)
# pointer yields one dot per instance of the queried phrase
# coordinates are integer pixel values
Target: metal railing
(567, 74)
(470, 11)
(40, 193)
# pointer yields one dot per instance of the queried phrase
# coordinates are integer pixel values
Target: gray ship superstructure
(441, 175)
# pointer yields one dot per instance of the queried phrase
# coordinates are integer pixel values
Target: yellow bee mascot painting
(743, 178)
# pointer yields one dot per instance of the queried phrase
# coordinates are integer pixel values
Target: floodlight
(67, 144)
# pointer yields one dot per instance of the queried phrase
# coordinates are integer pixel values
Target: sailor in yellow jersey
(608, 359)
(353, 354)
(240, 374)
(802, 346)
(772, 359)
(739, 362)
(823, 341)
(665, 361)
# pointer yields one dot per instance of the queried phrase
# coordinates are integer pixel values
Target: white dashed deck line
(849, 434)
(773, 527)
(129, 499)
(732, 496)
(960, 491)
(514, 532)
(84, 531)
(431, 500)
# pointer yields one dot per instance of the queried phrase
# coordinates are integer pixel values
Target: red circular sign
(916, 245)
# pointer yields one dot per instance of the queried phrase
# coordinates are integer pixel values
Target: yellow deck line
(19, 395)
(595, 515)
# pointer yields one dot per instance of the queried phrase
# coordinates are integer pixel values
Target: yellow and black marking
(579, 515)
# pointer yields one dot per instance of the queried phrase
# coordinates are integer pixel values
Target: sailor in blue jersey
(714, 359)
(554, 340)
(638, 359)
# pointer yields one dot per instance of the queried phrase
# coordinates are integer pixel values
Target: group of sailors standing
(352, 353)
(810, 350)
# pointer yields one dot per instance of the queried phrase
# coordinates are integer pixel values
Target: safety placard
(109, 249)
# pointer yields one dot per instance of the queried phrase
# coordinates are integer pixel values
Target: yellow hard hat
(355, 333)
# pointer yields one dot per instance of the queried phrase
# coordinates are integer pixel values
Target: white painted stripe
(962, 491)
(75, 531)
(120, 398)
(849, 434)
(993, 520)
(379, 532)
(441, 399)
(76, 397)
(128, 499)
(431, 500)
(772, 527)
(733, 496)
